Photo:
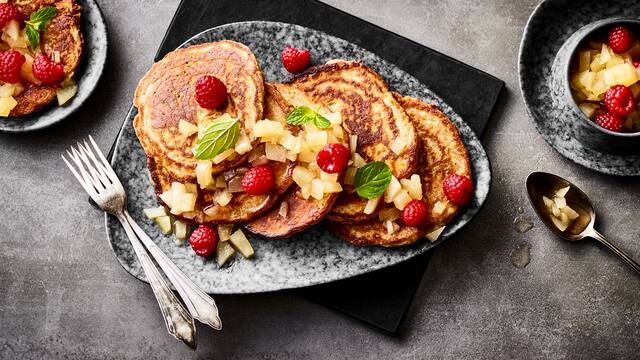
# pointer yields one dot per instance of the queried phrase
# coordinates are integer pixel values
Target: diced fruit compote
(605, 77)
(560, 213)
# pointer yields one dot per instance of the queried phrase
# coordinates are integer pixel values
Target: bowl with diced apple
(601, 63)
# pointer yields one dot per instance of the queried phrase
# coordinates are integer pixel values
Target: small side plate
(94, 56)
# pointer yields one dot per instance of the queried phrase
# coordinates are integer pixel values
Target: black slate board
(377, 298)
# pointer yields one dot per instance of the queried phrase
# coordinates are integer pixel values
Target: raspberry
(458, 189)
(333, 158)
(295, 60)
(609, 121)
(46, 70)
(10, 63)
(8, 12)
(620, 39)
(619, 100)
(210, 92)
(203, 240)
(415, 213)
(258, 180)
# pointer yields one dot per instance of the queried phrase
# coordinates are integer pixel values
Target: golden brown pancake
(368, 110)
(166, 95)
(243, 207)
(441, 153)
(63, 35)
(302, 213)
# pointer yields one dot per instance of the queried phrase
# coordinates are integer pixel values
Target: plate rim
(38, 125)
(484, 156)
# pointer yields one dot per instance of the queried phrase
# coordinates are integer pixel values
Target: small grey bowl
(583, 128)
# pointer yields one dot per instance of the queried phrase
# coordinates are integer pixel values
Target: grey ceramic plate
(549, 26)
(314, 256)
(94, 31)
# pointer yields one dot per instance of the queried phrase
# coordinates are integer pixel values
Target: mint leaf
(372, 180)
(303, 114)
(43, 16)
(219, 136)
(38, 21)
(321, 122)
(33, 36)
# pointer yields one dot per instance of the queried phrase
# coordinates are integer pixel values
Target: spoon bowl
(541, 184)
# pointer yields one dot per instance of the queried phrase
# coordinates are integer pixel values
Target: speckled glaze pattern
(94, 31)
(542, 71)
(314, 256)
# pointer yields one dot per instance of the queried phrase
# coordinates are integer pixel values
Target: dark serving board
(376, 298)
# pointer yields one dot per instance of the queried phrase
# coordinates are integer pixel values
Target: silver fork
(101, 183)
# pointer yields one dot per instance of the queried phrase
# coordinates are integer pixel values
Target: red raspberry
(10, 63)
(609, 121)
(619, 100)
(8, 12)
(46, 70)
(333, 158)
(620, 39)
(295, 60)
(415, 213)
(458, 189)
(210, 92)
(258, 180)
(203, 240)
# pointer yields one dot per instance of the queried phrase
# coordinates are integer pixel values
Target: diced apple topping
(391, 226)
(435, 234)
(392, 190)
(414, 186)
(358, 161)
(317, 140)
(438, 208)
(155, 212)
(68, 90)
(224, 231)
(180, 230)
(222, 197)
(243, 145)
(283, 211)
(372, 205)
(302, 176)
(317, 189)
(268, 128)
(241, 243)
(350, 175)
(203, 174)
(6, 105)
(224, 252)
(186, 128)
(223, 156)
(221, 183)
(275, 152)
(164, 223)
(401, 199)
(561, 214)
(7, 90)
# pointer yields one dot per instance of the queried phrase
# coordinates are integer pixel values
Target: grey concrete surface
(63, 295)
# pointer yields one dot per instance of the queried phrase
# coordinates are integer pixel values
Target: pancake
(302, 213)
(63, 35)
(243, 207)
(441, 153)
(368, 110)
(165, 95)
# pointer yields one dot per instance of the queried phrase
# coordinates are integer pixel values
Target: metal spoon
(541, 184)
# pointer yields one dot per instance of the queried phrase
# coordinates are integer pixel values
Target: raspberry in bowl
(603, 84)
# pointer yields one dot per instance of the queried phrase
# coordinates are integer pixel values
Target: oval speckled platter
(549, 26)
(94, 31)
(314, 256)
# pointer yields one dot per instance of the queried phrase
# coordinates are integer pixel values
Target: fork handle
(200, 304)
(177, 319)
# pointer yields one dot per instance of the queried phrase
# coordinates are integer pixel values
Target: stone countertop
(63, 294)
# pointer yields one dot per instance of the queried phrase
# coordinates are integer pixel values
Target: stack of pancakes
(367, 107)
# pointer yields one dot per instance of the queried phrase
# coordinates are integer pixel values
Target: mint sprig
(38, 21)
(372, 180)
(219, 136)
(304, 114)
